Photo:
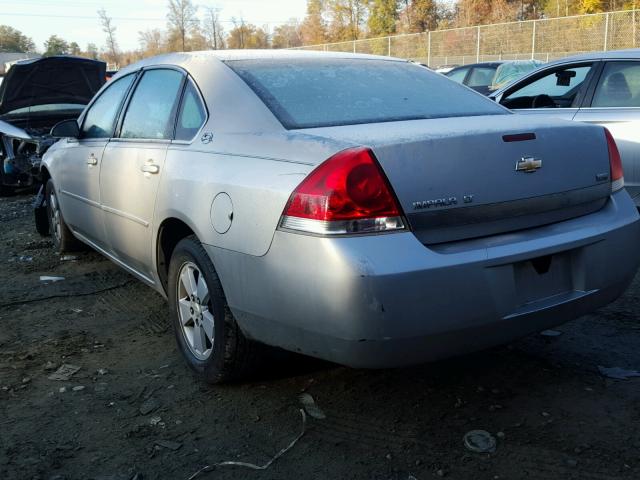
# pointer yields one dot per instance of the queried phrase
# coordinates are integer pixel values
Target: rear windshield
(308, 93)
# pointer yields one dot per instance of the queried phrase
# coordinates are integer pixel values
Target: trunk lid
(456, 178)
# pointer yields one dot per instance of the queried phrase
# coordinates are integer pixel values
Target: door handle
(92, 160)
(150, 168)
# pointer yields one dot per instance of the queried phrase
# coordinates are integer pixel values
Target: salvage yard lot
(141, 411)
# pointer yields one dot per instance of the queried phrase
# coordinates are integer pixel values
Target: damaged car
(35, 95)
(358, 209)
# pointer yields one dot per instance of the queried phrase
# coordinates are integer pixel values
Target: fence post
(634, 26)
(429, 49)
(533, 41)
(478, 45)
(606, 32)
(389, 46)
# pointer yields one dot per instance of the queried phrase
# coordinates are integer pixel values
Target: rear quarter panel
(258, 171)
(258, 188)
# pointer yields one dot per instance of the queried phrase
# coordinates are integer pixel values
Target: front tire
(63, 239)
(40, 214)
(206, 332)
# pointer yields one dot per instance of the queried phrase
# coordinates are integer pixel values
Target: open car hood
(51, 80)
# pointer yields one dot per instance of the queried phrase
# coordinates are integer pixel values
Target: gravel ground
(134, 410)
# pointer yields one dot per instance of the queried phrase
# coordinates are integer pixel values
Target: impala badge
(528, 164)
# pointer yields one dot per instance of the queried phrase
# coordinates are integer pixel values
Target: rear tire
(63, 239)
(206, 332)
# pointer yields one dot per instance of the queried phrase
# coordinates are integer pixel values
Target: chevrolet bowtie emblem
(528, 164)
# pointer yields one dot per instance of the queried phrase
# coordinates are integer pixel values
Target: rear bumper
(387, 300)
(634, 193)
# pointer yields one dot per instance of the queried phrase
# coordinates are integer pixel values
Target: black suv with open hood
(35, 95)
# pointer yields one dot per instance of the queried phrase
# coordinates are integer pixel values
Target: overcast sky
(76, 20)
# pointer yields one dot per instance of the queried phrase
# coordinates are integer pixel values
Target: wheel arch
(43, 178)
(170, 232)
(44, 174)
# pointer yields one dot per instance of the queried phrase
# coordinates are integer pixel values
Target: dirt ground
(134, 410)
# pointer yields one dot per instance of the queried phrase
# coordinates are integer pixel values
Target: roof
(183, 58)
(633, 53)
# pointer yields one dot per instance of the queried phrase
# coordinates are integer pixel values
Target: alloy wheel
(194, 311)
(54, 214)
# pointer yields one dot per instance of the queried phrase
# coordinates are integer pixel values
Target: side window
(481, 77)
(557, 89)
(458, 74)
(191, 115)
(619, 85)
(100, 120)
(151, 110)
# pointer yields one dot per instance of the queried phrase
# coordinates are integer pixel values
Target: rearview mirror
(66, 129)
(563, 78)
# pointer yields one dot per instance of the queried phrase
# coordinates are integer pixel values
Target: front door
(79, 185)
(616, 106)
(132, 165)
(79, 188)
(555, 92)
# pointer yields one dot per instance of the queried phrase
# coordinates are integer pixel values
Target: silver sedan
(358, 209)
(602, 88)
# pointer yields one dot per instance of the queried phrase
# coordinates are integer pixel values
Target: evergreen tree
(383, 15)
(314, 28)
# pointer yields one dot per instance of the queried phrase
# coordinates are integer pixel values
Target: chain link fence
(544, 39)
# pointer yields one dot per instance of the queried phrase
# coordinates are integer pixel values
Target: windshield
(508, 72)
(308, 93)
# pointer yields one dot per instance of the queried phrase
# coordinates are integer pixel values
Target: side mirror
(66, 129)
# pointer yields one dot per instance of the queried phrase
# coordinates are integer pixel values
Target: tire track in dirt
(137, 301)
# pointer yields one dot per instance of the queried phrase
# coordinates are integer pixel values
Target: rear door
(81, 162)
(556, 91)
(133, 163)
(615, 103)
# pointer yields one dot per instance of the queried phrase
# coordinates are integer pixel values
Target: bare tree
(347, 18)
(212, 29)
(238, 35)
(151, 41)
(182, 19)
(109, 28)
(246, 35)
(287, 35)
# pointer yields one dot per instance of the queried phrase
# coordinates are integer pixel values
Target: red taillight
(615, 163)
(348, 193)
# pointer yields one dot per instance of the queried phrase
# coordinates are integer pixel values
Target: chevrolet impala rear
(372, 213)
